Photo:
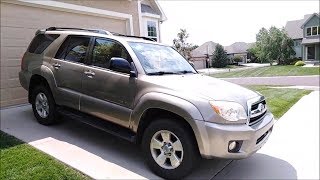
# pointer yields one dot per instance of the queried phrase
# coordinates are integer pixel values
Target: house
(239, 49)
(306, 35)
(201, 56)
(21, 18)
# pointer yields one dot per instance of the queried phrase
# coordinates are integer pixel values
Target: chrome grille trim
(252, 114)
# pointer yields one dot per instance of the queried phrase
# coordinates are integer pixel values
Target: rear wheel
(43, 106)
(170, 149)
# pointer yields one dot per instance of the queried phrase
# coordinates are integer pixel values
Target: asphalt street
(277, 81)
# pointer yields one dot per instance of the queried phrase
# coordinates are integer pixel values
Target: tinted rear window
(41, 42)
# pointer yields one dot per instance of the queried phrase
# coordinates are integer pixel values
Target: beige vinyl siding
(121, 6)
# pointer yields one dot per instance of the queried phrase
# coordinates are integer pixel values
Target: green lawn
(289, 70)
(19, 160)
(279, 101)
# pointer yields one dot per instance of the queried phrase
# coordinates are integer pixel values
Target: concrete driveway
(292, 151)
(94, 152)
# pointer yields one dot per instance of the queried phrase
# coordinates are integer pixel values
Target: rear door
(68, 66)
(107, 94)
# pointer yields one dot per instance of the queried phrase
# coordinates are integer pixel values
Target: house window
(314, 31)
(152, 30)
(309, 31)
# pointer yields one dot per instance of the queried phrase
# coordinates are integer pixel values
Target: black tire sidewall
(190, 152)
(50, 119)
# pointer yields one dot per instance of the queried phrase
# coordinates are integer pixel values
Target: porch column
(317, 52)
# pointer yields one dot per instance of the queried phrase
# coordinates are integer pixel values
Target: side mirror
(121, 65)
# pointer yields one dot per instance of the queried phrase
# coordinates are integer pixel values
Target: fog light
(232, 145)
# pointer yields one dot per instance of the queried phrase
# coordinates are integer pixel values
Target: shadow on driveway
(258, 166)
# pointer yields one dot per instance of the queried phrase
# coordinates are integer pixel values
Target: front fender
(176, 105)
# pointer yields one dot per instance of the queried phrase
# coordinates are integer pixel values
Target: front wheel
(170, 149)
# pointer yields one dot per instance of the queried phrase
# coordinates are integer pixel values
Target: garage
(21, 19)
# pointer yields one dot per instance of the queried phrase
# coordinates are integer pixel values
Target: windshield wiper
(161, 73)
(186, 72)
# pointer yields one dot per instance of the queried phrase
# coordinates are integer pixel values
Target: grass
(21, 161)
(279, 100)
(289, 70)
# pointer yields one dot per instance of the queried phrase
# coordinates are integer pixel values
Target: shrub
(237, 59)
(300, 63)
(291, 61)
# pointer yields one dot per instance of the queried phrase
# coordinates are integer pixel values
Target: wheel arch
(157, 105)
(42, 75)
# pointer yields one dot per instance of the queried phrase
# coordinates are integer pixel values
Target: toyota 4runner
(144, 92)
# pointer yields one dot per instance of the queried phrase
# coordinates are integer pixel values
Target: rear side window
(74, 49)
(41, 42)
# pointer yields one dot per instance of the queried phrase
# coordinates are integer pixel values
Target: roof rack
(100, 31)
(141, 37)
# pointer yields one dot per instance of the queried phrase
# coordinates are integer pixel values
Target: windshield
(158, 59)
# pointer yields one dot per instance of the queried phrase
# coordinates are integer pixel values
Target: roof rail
(141, 37)
(100, 31)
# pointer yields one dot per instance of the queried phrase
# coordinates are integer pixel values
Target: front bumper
(252, 138)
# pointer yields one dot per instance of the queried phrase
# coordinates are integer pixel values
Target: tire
(188, 157)
(49, 118)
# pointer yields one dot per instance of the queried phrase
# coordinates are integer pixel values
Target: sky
(226, 22)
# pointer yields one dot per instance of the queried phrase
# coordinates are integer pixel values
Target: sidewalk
(292, 152)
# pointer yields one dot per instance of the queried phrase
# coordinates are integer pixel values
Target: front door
(311, 52)
(107, 94)
(68, 66)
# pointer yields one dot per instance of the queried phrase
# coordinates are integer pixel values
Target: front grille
(257, 113)
(255, 119)
(255, 105)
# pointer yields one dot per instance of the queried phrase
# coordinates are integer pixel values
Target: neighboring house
(21, 18)
(201, 56)
(306, 35)
(239, 49)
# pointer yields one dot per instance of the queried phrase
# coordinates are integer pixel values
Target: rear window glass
(41, 42)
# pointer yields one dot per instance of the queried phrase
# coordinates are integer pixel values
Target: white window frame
(156, 21)
(311, 27)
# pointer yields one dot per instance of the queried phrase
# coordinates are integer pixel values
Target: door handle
(56, 65)
(89, 73)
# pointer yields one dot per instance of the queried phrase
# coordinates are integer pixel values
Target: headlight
(230, 111)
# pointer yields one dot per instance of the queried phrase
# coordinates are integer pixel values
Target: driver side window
(104, 50)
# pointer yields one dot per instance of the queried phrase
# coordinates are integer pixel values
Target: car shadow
(258, 166)
(20, 122)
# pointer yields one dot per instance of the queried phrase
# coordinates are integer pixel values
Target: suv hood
(203, 87)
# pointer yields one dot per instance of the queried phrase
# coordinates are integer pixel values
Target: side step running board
(101, 124)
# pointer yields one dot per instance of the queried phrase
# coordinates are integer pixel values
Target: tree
(181, 45)
(273, 45)
(219, 57)
(237, 59)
